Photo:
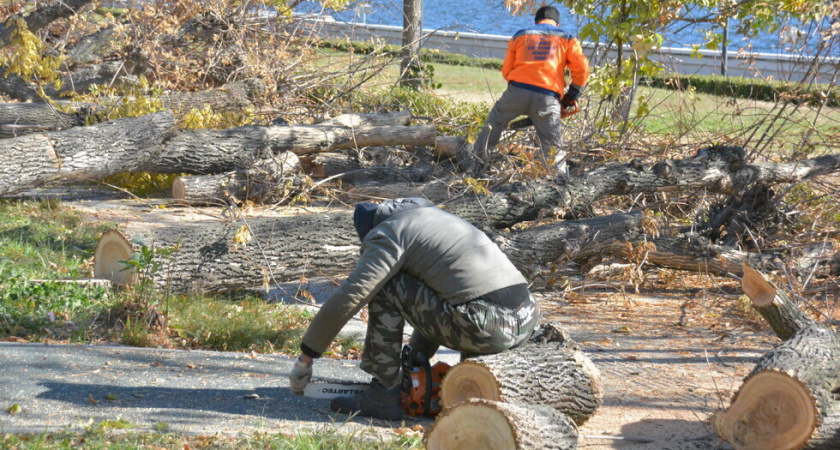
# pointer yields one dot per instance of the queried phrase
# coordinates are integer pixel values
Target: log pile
(532, 396)
(791, 398)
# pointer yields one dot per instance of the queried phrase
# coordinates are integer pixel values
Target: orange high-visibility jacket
(538, 56)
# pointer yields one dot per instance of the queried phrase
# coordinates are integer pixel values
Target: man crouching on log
(438, 272)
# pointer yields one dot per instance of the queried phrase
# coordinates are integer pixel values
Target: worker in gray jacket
(438, 272)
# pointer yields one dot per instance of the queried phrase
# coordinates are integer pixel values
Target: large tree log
(23, 118)
(264, 182)
(790, 399)
(713, 170)
(698, 254)
(214, 151)
(209, 258)
(16, 88)
(81, 153)
(484, 424)
(548, 370)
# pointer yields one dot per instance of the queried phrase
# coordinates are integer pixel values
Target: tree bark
(790, 399)
(493, 425)
(81, 153)
(264, 182)
(410, 67)
(41, 17)
(17, 119)
(16, 88)
(548, 370)
(209, 258)
(214, 151)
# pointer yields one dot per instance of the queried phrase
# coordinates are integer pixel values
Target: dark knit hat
(363, 218)
(547, 12)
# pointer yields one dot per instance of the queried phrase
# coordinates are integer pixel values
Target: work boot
(378, 401)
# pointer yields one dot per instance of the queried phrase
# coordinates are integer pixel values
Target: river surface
(491, 17)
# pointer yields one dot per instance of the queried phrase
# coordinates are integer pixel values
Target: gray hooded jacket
(447, 253)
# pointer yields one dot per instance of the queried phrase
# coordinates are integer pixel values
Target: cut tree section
(111, 250)
(541, 372)
(488, 425)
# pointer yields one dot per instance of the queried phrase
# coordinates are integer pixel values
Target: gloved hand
(300, 375)
(571, 96)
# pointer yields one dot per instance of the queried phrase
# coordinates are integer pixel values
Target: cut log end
(112, 248)
(469, 379)
(758, 289)
(771, 410)
(472, 426)
(179, 190)
(493, 425)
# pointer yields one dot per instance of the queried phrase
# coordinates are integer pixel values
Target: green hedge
(750, 88)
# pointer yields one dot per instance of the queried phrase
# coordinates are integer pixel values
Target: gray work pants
(542, 109)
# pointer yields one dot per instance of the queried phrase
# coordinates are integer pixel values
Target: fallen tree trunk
(493, 425)
(264, 182)
(209, 151)
(547, 370)
(81, 153)
(211, 257)
(712, 170)
(16, 88)
(23, 118)
(790, 399)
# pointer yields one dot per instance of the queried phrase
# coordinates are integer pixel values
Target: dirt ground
(669, 357)
(667, 361)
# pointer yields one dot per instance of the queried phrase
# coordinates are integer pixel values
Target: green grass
(98, 437)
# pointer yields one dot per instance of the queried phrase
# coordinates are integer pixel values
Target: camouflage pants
(475, 327)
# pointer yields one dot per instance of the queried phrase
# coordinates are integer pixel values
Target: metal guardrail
(684, 61)
(786, 67)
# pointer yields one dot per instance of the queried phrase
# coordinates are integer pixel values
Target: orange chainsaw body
(422, 398)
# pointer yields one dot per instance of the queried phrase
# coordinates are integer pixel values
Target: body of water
(491, 17)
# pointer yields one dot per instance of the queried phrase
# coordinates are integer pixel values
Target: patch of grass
(45, 240)
(247, 324)
(97, 437)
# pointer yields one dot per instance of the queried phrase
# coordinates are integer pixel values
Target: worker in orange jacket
(534, 67)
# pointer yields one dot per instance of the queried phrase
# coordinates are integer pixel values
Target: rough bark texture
(484, 424)
(24, 118)
(791, 398)
(548, 370)
(713, 170)
(235, 96)
(220, 256)
(16, 88)
(94, 48)
(81, 153)
(436, 191)
(319, 244)
(264, 182)
(214, 151)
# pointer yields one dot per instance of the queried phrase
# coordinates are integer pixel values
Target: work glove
(570, 98)
(300, 375)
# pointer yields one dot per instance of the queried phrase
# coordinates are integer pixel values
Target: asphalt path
(194, 392)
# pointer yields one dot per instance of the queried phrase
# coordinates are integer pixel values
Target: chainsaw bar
(334, 390)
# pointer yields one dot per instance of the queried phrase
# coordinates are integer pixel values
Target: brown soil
(668, 362)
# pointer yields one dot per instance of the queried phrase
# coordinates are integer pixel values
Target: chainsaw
(527, 122)
(420, 386)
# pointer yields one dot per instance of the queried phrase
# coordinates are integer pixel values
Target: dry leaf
(92, 400)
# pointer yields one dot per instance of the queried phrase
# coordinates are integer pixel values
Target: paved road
(61, 386)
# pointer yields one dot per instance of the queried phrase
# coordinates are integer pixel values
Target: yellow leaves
(242, 236)
(14, 409)
(208, 118)
(28, 57)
